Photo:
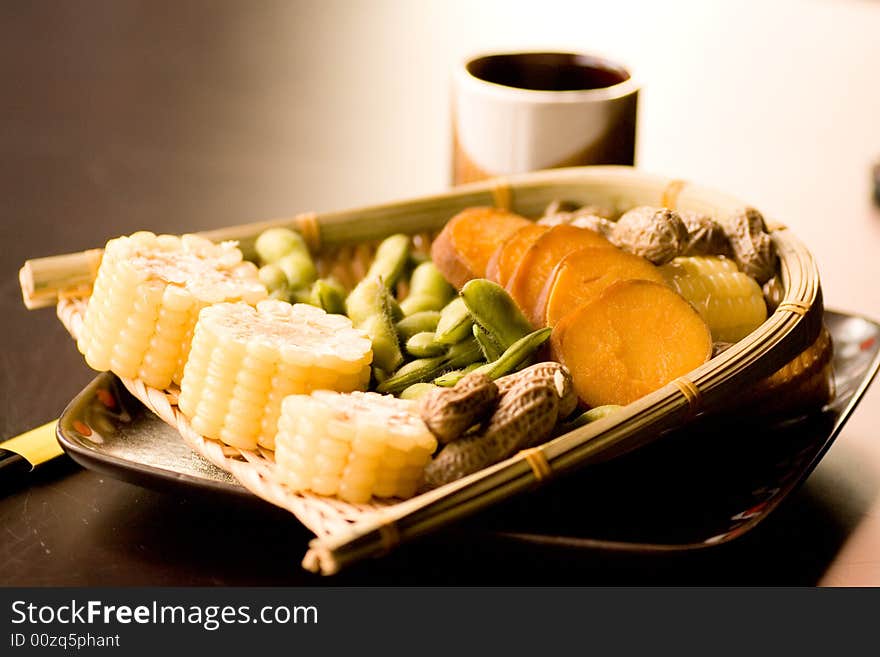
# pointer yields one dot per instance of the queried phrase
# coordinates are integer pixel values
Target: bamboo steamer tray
(342, 241)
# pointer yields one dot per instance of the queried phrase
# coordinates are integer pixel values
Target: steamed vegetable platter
(437, 362)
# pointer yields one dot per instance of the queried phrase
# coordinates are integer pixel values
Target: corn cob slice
(353, 445)
(146, 299)
(730, 301)
(244, 361)
(804, 383)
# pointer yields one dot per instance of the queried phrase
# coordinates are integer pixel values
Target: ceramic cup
(521, 111)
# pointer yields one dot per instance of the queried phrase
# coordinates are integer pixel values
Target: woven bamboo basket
(343, 242)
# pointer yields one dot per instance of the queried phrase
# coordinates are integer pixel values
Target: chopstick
(21, 454)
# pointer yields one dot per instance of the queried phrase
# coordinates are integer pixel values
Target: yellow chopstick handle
(37, 445)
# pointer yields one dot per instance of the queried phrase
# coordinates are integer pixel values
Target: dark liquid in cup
(547, 71)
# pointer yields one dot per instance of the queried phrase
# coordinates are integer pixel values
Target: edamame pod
(495, 311)
(463, 353)
(329, 295)
(391, 259)
(417, 323)
(428, 290)
(422, 345)
(426, 369)
(415, 371)
(394, 310)
(368, 297)
(516, 354)
(273, 277)
(273, 244)
(491, 348)
(455, 323)
(589, 416)
(451, 378)
(417, 304)
(417, 390)
(369, 306)
(386, 349)
(299, 269)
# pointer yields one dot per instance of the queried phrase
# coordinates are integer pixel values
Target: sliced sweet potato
(540, 258)
(583, 275)
(464, 246)
(636, 337)
(503, 262)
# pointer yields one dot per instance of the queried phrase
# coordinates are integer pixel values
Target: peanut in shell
(753, 249)
(658, 234)
(449, 412)
(526, 415)
(553, 374)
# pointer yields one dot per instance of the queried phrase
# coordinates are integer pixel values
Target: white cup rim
(505, 92)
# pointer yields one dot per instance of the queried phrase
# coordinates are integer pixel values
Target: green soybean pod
(386, 349)
(394, 310)
(491, 348)
(417, 390)
(274, 243)
(299, 268)
(516, 354)
(417, 304)
(463, 353)
(391, 259)
(417, 323)
(495, 311)
(428, 290)
(415, 371)
(591, 415)
(599, 412)
(368, 298)
(455, 323)
(328, 294)
(422, 345)
(273, 277)
(451, 378)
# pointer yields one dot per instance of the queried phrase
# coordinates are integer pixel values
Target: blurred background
(186, 115)
(284, 105)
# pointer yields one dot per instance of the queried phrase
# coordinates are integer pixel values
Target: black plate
(696, 487)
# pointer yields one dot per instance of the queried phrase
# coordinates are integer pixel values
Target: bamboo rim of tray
(346, 533)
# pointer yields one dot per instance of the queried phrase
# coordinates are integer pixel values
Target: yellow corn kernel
(146, 299)
(730, 301)
(804, 383)
(244, 361)
(354, 446)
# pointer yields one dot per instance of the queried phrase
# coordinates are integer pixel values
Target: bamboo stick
(44, 281)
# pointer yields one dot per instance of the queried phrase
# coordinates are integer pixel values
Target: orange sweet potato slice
(636, 337)
(583, 275)
(537, 263)
(503, 262)
(462, 249)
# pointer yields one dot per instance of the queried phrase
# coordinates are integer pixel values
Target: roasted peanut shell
(658, 234)
(753, 249)
(705, 236)
(525, 416)
(449, 412)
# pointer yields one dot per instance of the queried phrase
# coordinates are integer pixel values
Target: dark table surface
(118, 116)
